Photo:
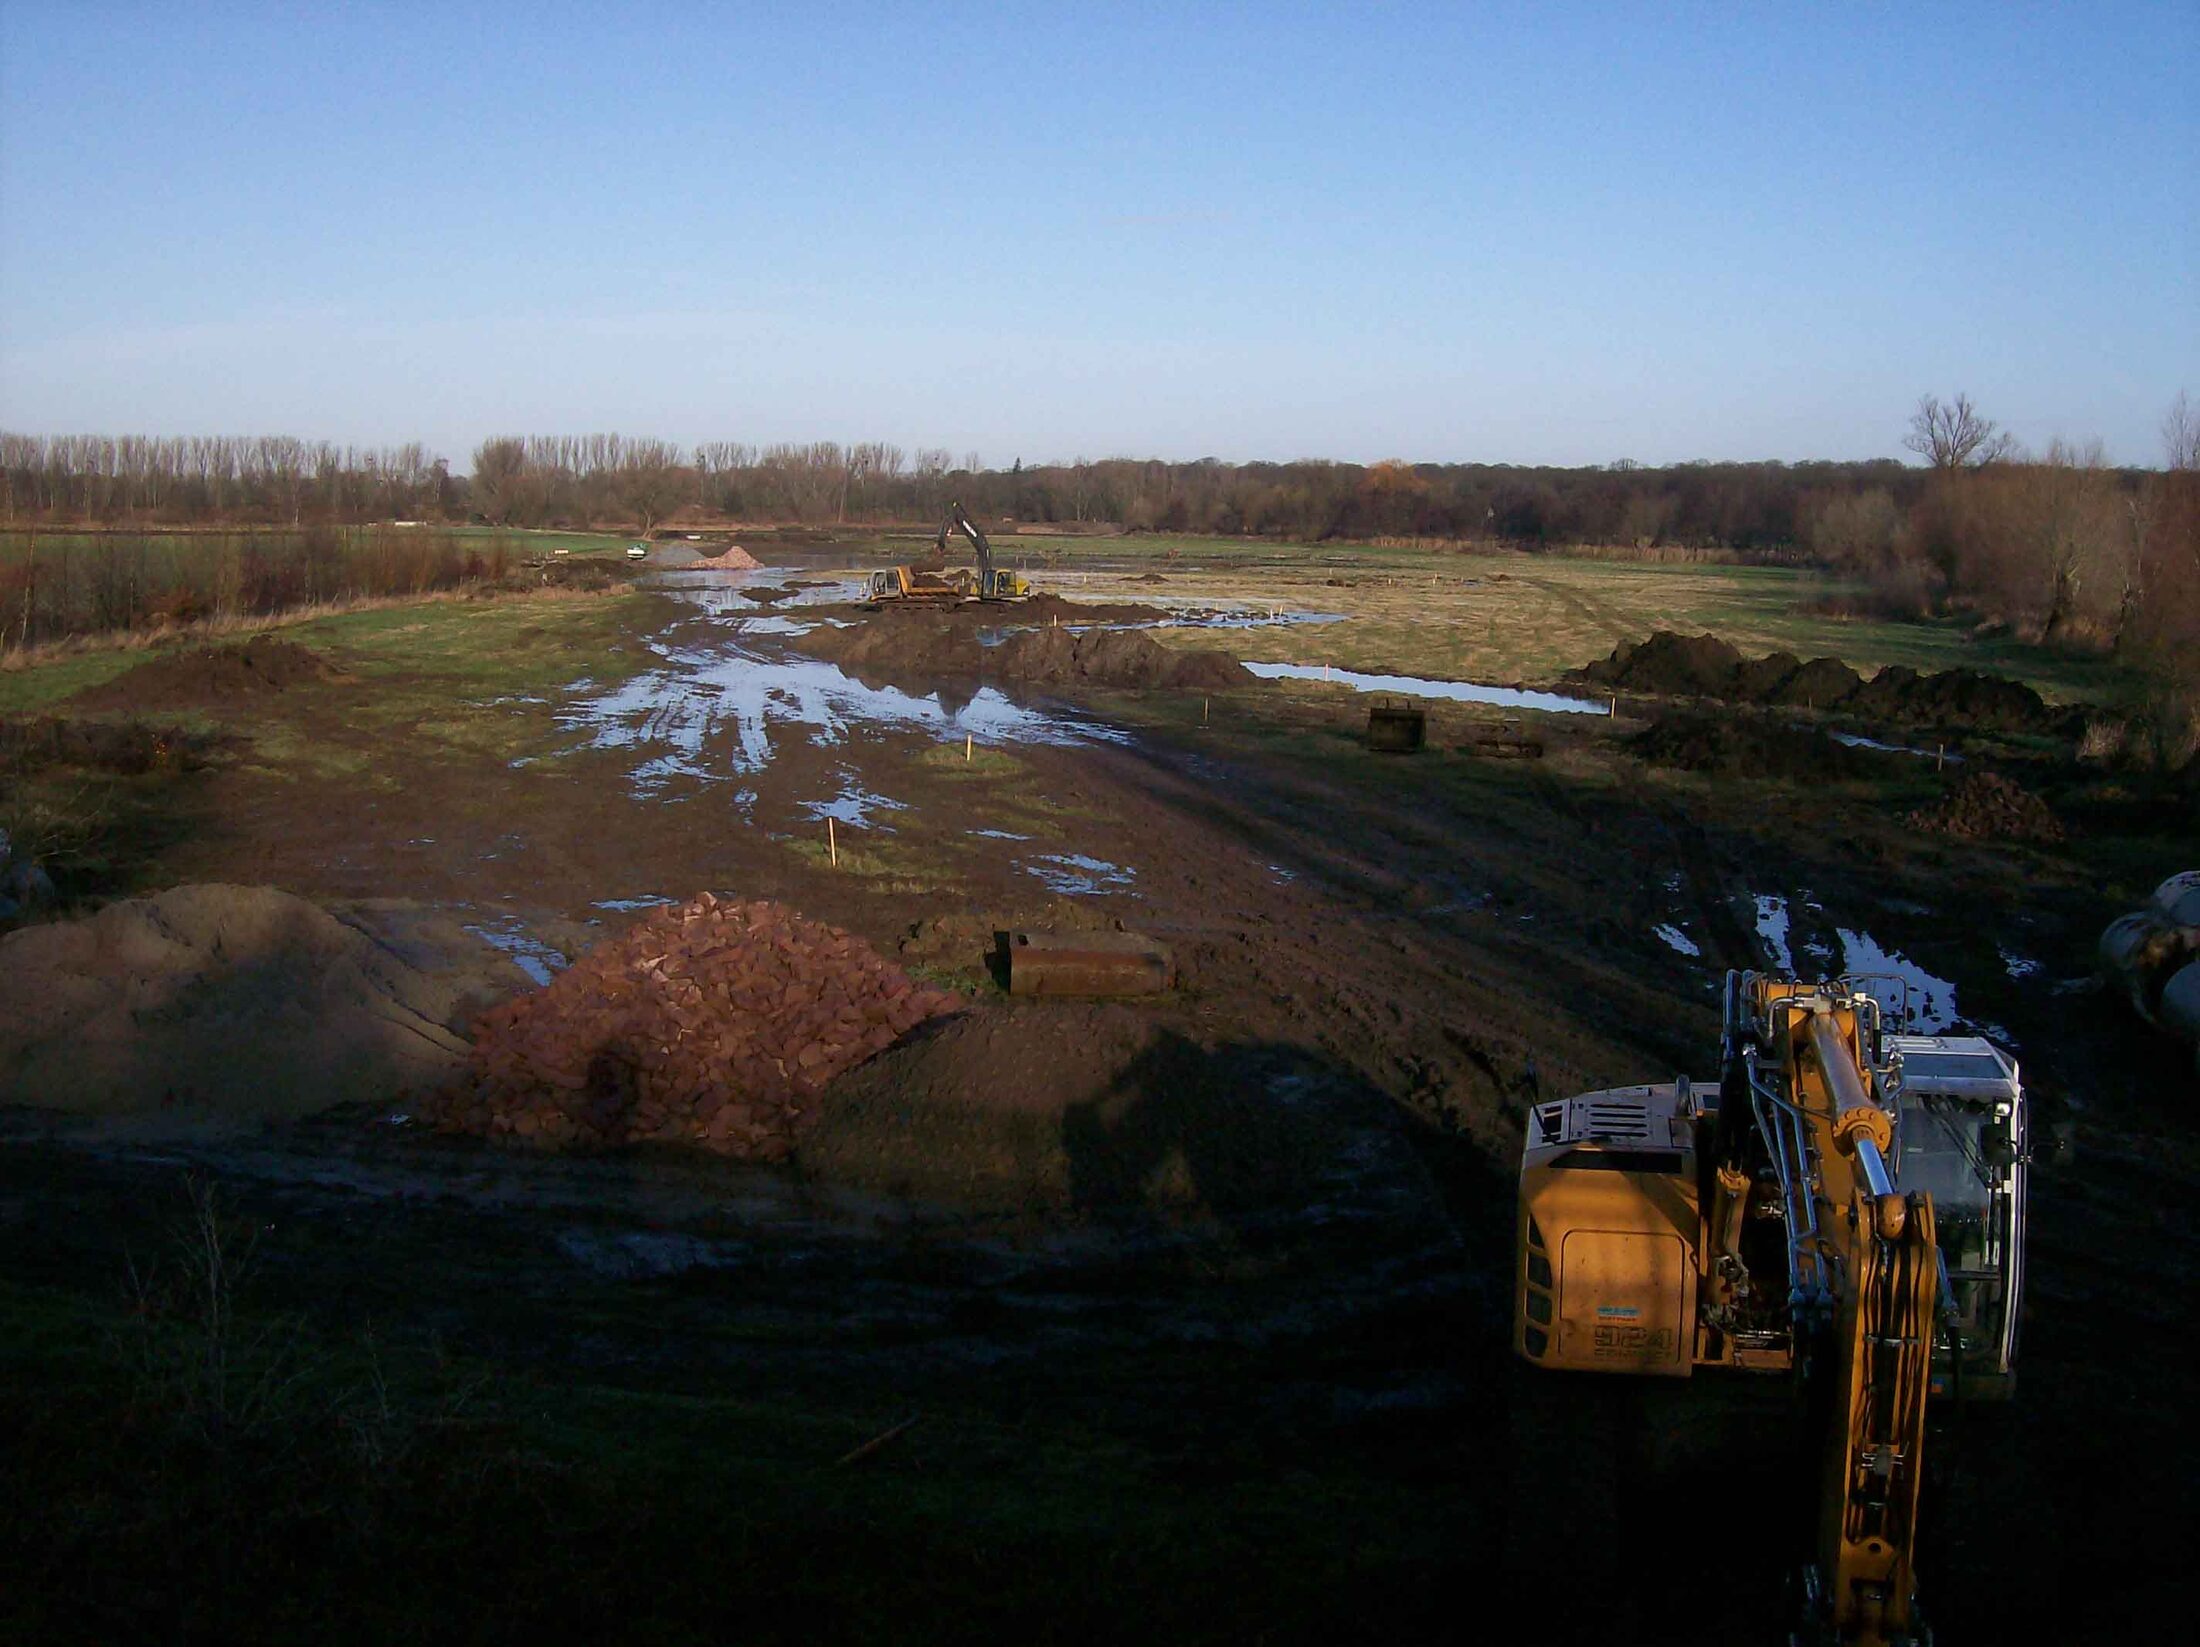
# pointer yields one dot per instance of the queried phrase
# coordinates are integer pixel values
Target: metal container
(1086, 963)
(2178, 898)
(1396, 726)
(2179, 1012)
(2138, 952)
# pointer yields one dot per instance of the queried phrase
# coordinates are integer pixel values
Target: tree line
(2058, 543)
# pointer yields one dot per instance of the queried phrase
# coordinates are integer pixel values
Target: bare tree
(499, 468)
(1955, 436)
(2181, 433)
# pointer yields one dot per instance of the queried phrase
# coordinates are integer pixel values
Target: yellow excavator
(933, 584)
(1846, 1206)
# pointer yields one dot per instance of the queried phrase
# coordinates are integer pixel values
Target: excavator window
(1619, 1160)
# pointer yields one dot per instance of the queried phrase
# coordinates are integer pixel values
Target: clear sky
(1458, 233)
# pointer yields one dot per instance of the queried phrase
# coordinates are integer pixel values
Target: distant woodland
(2059, 545)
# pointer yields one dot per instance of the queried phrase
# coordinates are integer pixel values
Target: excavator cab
(1960, 1137)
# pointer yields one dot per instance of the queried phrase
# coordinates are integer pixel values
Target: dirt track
(1301, 1157)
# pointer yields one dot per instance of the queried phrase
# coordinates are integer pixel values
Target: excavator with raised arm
(935, 584)
(1846, 1207)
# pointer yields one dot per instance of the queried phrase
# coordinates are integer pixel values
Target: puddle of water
(1932, 1000)
(1857, 741)
(708, 712)
(2019, 967)
(1506, 697)
(1772, 927)
(854, 804)
(1675, 938)
(1000, 834)
(773, 624)
(1075, 874)
(624, 905)
(538, 960)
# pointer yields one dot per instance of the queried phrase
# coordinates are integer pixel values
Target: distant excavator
(933, 585)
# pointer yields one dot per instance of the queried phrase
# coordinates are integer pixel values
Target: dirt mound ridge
(712, 1024)
(1744, 746)
(1989, 807)
(211, 674)
(927, 645)
(130, 748)
(1072, 1107)
(1112, 657)
(1669, 664)
(223, 1000)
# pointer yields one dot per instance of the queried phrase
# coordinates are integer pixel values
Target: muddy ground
(1201, 1303)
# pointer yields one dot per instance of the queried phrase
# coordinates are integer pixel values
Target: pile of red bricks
(713, 1024)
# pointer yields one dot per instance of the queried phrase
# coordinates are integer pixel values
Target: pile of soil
(1989, 807)
(128, 748)
(233, 1001)
(685, 557)
(1100, 1108)
(211, 674)
(1112, 657)
(715, 1023)
(1744, 746)
(1704, 666)
(733, 558)
(901, 644)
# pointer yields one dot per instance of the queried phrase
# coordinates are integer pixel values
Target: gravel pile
(713, 1024)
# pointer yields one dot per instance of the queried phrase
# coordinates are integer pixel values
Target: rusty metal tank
(1396, 726)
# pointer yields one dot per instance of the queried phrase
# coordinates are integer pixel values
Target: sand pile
(685, 557)
(1704, 666)
(1989, 807)
(211, 674)
(227, 1000)
(715, 1023)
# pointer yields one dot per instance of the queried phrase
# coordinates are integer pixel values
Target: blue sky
(1488, 233)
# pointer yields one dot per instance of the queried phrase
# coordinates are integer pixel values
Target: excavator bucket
(1086, 963)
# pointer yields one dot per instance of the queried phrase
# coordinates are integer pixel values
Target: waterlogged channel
(714, 703)
(1415, 686)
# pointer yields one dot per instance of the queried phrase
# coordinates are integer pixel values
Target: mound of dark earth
(1111, 657)
(130, 748)
(1704, 666)
(1989, 807)
(1745, 746)
(1098, 1108)
(211, 674)
(900, 644)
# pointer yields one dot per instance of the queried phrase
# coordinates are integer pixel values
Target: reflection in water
(1507, 697)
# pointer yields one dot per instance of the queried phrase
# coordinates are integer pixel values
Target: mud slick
(225, 1002)
(1989, 807)
(211, 674)
(713, 1024)
(1704, 666)
(920, 645)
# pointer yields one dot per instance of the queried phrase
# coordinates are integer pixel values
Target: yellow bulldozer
(1846, 1206)
(939, 584)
